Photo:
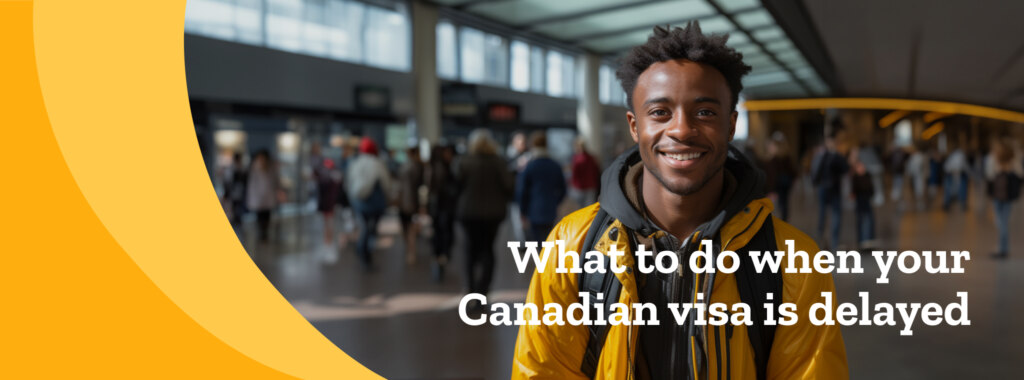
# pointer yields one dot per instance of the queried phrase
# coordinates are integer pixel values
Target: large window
(447, 63)
(345, 30)
(520, 66)
(471, 55)
(474, 56)
(386, 32)
(496, 60)
(537, 70)
(609, 89)
(561, 74)
(483, 58)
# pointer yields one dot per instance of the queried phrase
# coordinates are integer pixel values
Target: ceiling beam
(769, 53)
(473, 3)
(578, 15)
(792, 16)
(609, 33)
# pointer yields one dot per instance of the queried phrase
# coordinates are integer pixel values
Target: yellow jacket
(800, 351)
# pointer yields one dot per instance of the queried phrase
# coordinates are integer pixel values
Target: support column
(424, 70)
(588, 109)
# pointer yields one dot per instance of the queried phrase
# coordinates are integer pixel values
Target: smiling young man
(682, 183)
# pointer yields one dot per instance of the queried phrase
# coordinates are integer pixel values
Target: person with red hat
(367, 185)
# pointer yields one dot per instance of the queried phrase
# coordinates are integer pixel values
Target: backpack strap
(593, 283)
(753, 287)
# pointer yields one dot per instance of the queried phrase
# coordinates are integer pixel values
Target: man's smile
(681, 158)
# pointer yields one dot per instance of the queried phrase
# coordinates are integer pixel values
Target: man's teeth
(684, 156)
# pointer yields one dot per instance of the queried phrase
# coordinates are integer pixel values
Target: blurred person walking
(585, 177)
(443, 197)
(863, 190)
(935, 173)
(485, 188)
(328, 185)
(349, 148)
(917, 170)
(827, 172)
(955, 186)
(540, 188)
(518, 155)
(263, 191)
(1004, 187)
(868, 156)
(368, 184)
(410, 179)
(781, 172)
(235, 181)
(897, 165)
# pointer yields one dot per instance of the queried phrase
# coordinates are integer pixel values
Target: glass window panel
(471, 55)
(211, 18)
(520, 80)
(750, 49)
(537, 71)
(249, 21)
(779, 46)
(765, 35)
(787, 52)
(605, 84)
(737, 38)
(768, 78)
(344, 23)
(792, 58)
(284, 24)
(447, 63)
(755, 19)
(765, 66)
(716, 25)
(738, 5)
(804, 72)
(314, 32)
(495, 60)
(387, 39)
(554, 66)
(569, 76)
(652, 13)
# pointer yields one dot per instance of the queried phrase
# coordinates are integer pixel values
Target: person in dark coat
(443, 196)
(410, 179)
(485, 188)
(540, 188)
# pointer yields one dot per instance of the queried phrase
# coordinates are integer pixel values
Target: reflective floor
(401, 324)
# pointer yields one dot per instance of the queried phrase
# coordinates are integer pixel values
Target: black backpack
(752, 288)
(1005, 187)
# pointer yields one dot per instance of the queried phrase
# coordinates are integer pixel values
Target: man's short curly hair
(683, 43)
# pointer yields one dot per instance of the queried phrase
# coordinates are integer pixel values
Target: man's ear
(732, 124)
(631, 119)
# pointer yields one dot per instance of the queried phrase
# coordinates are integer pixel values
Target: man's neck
(677, 214)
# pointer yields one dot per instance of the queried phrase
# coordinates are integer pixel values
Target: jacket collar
(743, 202)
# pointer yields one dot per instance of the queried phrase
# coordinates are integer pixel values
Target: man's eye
(705, 113)
(659, 113)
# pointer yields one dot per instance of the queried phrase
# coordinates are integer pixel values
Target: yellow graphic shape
(118, 261)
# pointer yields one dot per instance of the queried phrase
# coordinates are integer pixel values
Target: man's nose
(681, 128)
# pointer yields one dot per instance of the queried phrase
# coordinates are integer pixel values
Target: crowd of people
(838, 170)
(481, 188)
(475, 191)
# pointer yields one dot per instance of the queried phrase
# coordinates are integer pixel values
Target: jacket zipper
(728, 348)
(718, 353)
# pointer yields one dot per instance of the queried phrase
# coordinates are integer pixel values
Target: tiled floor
(402, 325)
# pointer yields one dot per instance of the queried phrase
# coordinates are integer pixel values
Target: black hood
(750, 182)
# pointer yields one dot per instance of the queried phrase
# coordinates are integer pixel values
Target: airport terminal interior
(922, 97)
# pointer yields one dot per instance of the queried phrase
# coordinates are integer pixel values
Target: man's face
(682, 121)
